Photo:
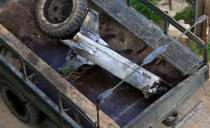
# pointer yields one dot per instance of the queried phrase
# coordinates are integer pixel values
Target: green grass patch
(149, 13)
(200, 51)
(191, 1)
(188, 15)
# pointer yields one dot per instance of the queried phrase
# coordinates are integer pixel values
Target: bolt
(76, 38)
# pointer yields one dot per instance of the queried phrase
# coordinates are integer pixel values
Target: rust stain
(79, 99)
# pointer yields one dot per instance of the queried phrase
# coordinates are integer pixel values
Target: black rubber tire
(65, 28)
(171, 122)
(47, 123)
(19, 105)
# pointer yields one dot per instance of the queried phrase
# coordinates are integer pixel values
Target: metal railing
(169, 20)
(61, 97)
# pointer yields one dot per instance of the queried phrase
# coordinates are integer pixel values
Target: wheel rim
(57, 11)
(14, 102)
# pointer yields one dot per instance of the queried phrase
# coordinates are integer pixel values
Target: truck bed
(178, 55)
(127, 102)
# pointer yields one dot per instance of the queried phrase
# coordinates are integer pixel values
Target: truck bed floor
(126, 102)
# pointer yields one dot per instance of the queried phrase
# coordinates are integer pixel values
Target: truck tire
(47, 123)
(60, 19)
(171, 121)
(19, 104)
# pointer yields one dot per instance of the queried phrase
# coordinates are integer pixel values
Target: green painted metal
(150, 117)
(35, 95)
(158, 111)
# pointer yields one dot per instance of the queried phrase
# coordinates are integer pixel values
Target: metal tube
(196, 14)
(206, 44)
(24, 69)
(189, 115)
(76, 115)
(115, 63)
(60, 105)
(129, 3)
(166, 24)
(119, 66)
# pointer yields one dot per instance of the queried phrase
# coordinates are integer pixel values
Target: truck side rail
(34, 94)
(65, 91)
(172, 21)
(152, 35)
(169, 103)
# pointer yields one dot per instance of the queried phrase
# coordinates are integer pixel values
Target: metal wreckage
(102, 65)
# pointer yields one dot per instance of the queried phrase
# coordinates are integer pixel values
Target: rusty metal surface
(54, 78)
(178, 55)
(13, 77)
(170, 102)
(122, 106)
(125, 103)
(127, 45)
